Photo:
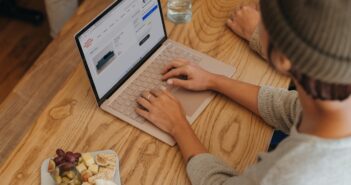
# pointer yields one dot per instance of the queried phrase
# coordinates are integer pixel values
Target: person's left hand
(162, 109)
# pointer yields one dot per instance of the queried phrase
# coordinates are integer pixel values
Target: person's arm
(188, 143)
(199, 80)
(259, 41)
(278, 107)
(162, 109)
(243, 93)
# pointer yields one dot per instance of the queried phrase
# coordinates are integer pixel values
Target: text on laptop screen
(119, 40)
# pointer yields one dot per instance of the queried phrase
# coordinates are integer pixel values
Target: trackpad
(190, 100)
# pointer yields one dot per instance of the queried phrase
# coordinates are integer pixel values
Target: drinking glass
(179, 11)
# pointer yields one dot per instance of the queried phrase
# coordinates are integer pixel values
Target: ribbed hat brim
(305, 57)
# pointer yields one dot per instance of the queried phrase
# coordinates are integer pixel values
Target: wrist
(181, 129)
(188, 142)
(213, 82)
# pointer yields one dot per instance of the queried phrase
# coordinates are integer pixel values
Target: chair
(10, 9)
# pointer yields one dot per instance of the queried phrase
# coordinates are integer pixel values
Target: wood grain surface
(20, 45)
(72, 120)
(42, 81)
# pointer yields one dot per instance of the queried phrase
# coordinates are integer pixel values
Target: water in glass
(179, 11)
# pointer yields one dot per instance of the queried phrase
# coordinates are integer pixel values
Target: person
(309, 40)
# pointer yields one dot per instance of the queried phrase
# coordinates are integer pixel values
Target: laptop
(124, 50)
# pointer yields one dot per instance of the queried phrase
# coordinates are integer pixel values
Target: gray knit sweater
(299, 160)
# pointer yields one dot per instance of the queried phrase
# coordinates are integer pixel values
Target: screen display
(119, 40)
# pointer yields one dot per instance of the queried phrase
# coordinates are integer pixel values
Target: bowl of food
(91, 168)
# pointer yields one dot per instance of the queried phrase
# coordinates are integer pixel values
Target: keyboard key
(149, 79)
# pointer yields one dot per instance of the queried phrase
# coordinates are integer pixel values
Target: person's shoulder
(304, 162)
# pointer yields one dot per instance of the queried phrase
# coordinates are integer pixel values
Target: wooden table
(54, 107)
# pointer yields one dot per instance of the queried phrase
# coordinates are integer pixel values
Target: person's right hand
(197, 79)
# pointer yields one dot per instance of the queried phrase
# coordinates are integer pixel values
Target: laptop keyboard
(149, 79)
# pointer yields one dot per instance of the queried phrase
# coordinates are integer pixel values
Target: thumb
(178, 83)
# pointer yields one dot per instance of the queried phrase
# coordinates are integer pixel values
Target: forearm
(188, 143)
(243, 93)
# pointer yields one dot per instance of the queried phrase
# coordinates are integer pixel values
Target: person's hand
(162, 109)
(197, 79)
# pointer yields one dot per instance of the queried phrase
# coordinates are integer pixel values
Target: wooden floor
(20, 45)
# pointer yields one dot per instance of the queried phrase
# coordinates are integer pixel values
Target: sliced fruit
(51, 166)
(109, 172)
(109, 157)
(101, 161)
(106, 159)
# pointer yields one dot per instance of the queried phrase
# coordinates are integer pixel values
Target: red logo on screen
(88, 43)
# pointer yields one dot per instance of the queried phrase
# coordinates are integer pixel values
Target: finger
(176, 73)
(245, 8)
(156, 92)
(148, 96)
(167, 92)
(174, 64)
(178, 83)
(143, 113)
(235, 27)
(232, 24)
(235, 12)
(232, 16)
(144, 103)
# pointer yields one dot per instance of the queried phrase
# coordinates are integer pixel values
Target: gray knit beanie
(314, 34)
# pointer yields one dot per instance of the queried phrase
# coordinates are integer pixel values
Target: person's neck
(331, 120)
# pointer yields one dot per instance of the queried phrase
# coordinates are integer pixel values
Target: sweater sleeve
(206, 169)
(280, 108)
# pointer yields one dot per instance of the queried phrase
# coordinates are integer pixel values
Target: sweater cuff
(204, 167)
(264, 100)
(255, 42)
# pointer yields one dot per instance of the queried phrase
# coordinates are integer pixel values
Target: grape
(70, 157)
(77, 155)
(60, 152)
(58, 160)
(66, 166)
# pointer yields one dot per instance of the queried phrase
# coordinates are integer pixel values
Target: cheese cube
(94, 168)
(81, 167)
(88, 159)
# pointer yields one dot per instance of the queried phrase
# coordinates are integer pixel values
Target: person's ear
(281, 62)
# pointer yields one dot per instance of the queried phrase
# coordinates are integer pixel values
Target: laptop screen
(118, 40)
